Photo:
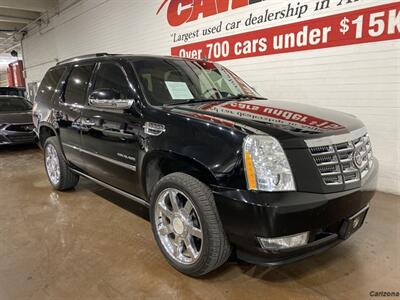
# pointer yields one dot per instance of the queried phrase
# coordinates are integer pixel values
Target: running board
(114, 189)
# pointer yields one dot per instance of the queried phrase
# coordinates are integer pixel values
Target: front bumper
(247, 215)
(15, 138)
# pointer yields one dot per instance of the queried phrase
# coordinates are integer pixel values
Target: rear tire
(188, 229)
(60, 175)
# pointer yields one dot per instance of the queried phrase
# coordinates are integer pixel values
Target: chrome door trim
(114, 189)
(336, 139)
(110, 160)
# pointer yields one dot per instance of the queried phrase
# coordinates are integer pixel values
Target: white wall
(360, 79)
(3, 78)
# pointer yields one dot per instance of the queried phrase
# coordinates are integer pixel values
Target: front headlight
(266, 165)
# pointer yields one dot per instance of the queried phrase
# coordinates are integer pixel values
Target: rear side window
(75, 92)
(49, 84)
(111, 76)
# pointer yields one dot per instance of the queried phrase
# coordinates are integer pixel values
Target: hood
(281, 119)
(16, 117)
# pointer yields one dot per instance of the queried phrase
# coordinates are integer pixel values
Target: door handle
(74, 109)
(72, 106)
(58, 114)
(88, 122)
(112, 133)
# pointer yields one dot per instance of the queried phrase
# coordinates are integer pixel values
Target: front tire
(58, 172)
(186, 225)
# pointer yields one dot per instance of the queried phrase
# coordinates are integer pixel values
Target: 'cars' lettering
(183, 11)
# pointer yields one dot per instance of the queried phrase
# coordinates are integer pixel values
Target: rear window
(49, 85)
(14, 104)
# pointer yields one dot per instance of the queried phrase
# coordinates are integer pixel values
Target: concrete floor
(94, 244)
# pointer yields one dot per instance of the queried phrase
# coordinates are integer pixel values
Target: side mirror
(109, 99)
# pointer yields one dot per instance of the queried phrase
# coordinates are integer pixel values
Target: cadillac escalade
(224, 171)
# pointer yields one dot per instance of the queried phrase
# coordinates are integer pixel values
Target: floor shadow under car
(117, 199)
(278, 274)
(20, 147)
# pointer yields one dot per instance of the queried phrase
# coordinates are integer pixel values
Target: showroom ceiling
(15, 16)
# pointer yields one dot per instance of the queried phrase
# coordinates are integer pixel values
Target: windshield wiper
(246, 97)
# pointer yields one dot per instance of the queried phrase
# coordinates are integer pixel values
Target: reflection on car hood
(16, 117)
(276, 117)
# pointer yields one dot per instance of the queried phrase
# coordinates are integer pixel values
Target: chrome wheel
(52, 164)
(178, 226)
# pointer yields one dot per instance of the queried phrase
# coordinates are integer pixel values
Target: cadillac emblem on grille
(357, 158)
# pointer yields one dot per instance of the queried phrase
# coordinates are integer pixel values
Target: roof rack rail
(81, 57)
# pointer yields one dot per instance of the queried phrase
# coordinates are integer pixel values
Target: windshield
(14, 105)
(171, 81)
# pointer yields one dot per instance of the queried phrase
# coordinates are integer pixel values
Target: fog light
(290, 241)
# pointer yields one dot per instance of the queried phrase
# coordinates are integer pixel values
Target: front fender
(216, 148)
(161, 162)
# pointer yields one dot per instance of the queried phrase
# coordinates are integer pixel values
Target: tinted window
(75, 92)
(49, 84)
(14, 105)
(111, 76)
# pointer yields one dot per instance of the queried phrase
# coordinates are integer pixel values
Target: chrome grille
(345, 162)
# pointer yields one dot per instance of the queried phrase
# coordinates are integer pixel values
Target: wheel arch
(45, 131)
(161, 163)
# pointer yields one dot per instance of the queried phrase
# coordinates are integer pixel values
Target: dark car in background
(16, 125)
(12, 91)
(221, 168)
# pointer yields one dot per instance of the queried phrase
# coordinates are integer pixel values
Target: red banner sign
(379, 23)
(277, 115)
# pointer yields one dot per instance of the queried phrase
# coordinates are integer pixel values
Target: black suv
(223, 170)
